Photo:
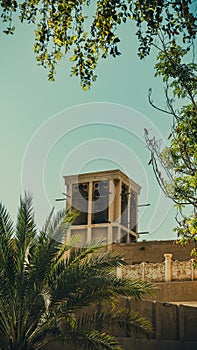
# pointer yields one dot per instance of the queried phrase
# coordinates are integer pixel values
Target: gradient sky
(101, 129)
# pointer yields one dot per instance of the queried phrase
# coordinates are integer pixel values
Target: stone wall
(156, 272)
(170, 321)
(174, 327)
(183, 270)
(152, 251)
(178, 292)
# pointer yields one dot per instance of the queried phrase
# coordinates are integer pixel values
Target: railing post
(143, 270)
(119, 271)
(168, 267)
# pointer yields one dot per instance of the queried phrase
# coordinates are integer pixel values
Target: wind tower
(107, 204)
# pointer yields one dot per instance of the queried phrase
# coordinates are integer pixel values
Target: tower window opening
(124, 205)
(133, 212)
(100, 202)
(80, 203)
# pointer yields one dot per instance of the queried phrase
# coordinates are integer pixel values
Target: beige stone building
(107, 204)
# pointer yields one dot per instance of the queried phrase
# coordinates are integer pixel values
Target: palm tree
(44, 291)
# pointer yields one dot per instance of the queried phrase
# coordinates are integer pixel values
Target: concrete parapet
(185, 291)
(162, 271)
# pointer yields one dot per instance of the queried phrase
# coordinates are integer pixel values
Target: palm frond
(91, 340)
(45, 331)
(43, 255)
(6, 224)
(105, 260)
(7, 318)
(78, 255)
(59, 224)
(95, 271)
(7, 252)
(107, 318)
(25, 227)
(48, 221)
(133, 288)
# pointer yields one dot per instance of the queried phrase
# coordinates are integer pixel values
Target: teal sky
(101, 128)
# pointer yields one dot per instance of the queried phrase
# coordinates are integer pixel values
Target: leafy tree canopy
(66, 29)
(175, 166)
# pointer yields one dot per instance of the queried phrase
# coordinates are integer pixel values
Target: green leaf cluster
(66, 29)
(175, 166)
